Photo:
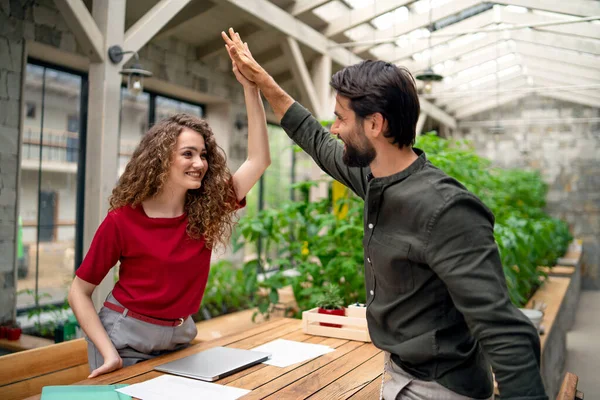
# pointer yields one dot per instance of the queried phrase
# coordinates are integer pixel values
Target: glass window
(166, 107)
(278, 177)
(30, 110)
(48, 187)
(274, 188)
(303, 167)
(140, 112)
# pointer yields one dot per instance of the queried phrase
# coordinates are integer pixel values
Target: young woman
(172, 205)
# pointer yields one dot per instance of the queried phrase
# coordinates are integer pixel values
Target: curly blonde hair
(210, 208)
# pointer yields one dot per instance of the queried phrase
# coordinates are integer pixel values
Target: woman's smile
(194, 174)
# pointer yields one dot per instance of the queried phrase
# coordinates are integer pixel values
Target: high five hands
(241, 57)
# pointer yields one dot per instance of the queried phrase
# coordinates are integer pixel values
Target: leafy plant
(228, 289)
(326, 251)
(57, 313)
(526, 236)
(330, 299)
(309, 239)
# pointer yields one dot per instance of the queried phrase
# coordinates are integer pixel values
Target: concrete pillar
(103, 129)
(445, 131)
(12, 63)
(321, 75)
(420, 123)
(218, 117)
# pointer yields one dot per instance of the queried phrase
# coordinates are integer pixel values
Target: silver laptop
(213, 364)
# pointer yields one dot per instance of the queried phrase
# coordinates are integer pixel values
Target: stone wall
(11, 73)
(567, 152)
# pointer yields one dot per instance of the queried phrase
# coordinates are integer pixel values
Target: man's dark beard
(361, 158)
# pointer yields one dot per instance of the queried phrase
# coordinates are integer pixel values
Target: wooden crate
(353, 328)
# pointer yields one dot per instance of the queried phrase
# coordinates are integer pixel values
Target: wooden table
(352, 371)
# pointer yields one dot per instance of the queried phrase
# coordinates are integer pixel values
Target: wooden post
(320, 76)
(103, 129)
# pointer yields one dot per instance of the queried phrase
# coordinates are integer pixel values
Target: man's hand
(242, 58)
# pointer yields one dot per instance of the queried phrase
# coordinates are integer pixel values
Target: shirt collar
(412, 168)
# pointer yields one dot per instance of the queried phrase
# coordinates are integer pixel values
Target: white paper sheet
(177, 387)
(289, 352)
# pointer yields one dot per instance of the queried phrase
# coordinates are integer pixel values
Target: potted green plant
(331, 303)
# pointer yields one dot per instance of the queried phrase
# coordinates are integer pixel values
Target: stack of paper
(288, 352)
(176, 387)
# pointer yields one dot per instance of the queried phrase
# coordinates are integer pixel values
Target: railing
(63, 146)
(57, 145)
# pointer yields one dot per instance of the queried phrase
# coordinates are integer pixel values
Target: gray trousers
(400, 385)
(137, 340)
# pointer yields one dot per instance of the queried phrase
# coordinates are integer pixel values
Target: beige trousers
(400, 385)
(137, 340)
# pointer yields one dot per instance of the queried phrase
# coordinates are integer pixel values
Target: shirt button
(370, 226)
(372, 292)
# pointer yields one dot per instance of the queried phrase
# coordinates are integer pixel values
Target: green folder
(91, 392)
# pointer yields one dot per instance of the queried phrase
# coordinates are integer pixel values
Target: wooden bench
(573, 254)
(556, 323)
(568, 389)
(25, 373)
(558, 270)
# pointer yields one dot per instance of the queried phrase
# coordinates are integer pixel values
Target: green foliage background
(526, 236)
(306, 238)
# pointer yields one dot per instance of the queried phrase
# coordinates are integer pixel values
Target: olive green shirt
(436, 293)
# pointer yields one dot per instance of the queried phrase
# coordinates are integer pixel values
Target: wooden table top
(352, 371)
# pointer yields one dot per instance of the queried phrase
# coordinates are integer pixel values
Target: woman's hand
(241, 78)
(80, 299)
(246, 83)
(111, 363)
(242, 58)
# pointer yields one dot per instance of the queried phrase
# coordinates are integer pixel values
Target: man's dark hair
(382, 87)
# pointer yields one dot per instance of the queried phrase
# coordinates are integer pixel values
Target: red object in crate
(341, 312)
(13, 333)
